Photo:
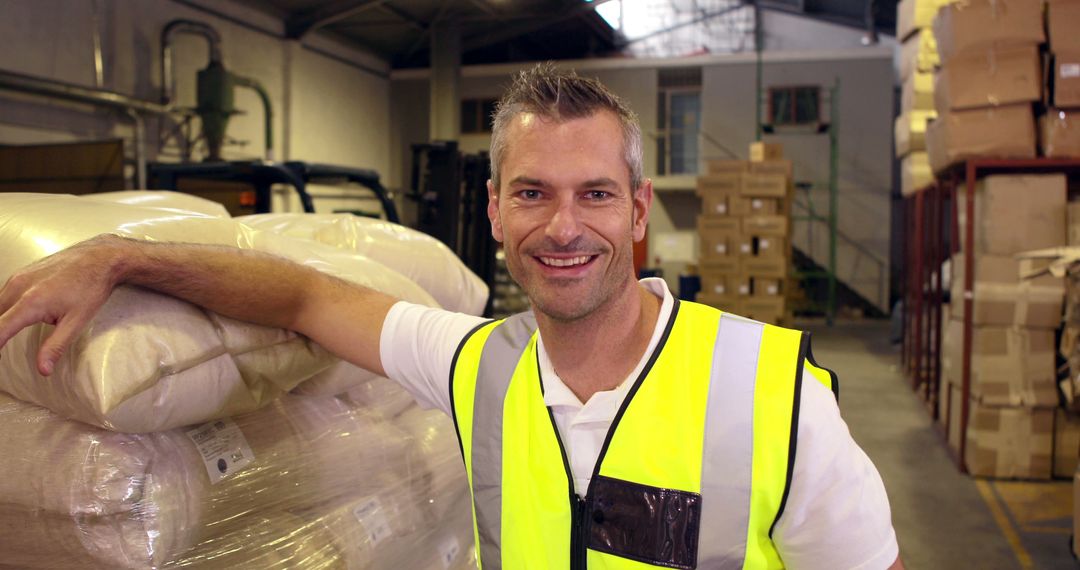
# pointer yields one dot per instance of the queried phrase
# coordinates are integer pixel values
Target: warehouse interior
(900, 179)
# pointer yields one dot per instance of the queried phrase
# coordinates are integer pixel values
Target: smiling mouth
(565, 261)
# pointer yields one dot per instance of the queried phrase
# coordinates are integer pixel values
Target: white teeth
(554, 262)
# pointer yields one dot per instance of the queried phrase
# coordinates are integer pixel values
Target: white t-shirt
(837, 515)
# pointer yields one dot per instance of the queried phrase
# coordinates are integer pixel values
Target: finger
(15, 319)
(54, 346)
(9, 294)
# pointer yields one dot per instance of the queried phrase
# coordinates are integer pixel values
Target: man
(612, 427)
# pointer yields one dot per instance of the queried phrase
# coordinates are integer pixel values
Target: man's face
(565, 212)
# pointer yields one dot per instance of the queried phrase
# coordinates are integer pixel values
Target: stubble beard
(546, 296)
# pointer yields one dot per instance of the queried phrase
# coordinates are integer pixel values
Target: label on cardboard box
(1069, 70)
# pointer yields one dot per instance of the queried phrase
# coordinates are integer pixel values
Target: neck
(597, 352)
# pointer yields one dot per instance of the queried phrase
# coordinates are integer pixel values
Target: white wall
(331, 108)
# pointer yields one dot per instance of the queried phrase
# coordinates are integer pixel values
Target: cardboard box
(1061, 19)
(1007, 443)
(726, 166)
(1066, 443)
(764, 206)
(718, 244)
(764, 309)
(723, 302)
(725, 265)
(1072, 232)
(779, 166)
(760, 151)
(768, 246)
(715, 204)
(741, 285)
(998, 75)
(719, 184)
(917, 92)
(718, 224)
(765, 185)
(768, 267)
(910, 132)
(974, 25)
(1002, 299)
(918, 53)
(1066, 79)
(772, 226)
(915, 173)
(1002, 132)
(1015, 213)
(744, 246)
(1059, 133)
(1010, 366)
(913, 15)
(716, 283)
(767, 287)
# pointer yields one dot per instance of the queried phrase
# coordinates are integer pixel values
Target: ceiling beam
(409, 18)
(303, 23)
(485, 39)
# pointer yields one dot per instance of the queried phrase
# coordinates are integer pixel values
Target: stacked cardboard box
(918, 58)
(744, 227)
(1012, 389)
(1060, 126)
(989, 77)
(1070, 336)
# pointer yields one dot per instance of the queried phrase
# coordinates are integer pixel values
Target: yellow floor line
(1006, 527)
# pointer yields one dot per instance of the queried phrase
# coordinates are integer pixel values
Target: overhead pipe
(172, 29)
(134, 108)
(268, 111)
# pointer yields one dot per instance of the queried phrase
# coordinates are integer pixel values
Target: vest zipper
(579, 525)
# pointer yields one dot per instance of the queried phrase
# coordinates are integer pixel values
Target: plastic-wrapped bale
(150, 362)
(416, 255)
(380, 395)
(273, 541)
(442, 475)
(76, 496)
(162, 199)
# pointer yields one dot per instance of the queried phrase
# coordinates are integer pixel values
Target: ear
(493, 212)
(642, 202)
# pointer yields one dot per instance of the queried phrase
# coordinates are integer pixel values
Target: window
(678, 116)
(794, 105)
(476, 115)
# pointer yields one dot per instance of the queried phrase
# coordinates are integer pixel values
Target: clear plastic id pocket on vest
(643, 523)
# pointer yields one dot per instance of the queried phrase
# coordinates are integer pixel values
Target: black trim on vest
(453, 369)
(832, 375)
(580, 527)
(804, 347)
(633, 389)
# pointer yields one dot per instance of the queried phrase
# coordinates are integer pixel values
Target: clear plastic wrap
(307, 483)
(162, 199)
(381, 395)
(414, 254)
(150, 362)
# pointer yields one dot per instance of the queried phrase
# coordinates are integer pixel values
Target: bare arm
(896, 565)
(68, 288)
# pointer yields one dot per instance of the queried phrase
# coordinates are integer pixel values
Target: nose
(565, 223)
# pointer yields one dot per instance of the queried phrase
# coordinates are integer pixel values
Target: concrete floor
(943, 519)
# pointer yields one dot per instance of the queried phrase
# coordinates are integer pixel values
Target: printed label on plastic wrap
(223, 448)
(371, 514)
(448, 552)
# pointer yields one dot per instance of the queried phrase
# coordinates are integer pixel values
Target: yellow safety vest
(695, 470)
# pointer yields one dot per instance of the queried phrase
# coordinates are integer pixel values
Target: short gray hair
(562, 95)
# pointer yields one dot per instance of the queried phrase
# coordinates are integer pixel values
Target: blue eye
(530, 194)
(597, 194)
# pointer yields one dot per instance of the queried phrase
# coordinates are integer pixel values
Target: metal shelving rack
(927, 246)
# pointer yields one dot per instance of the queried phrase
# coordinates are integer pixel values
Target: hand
(65, 289)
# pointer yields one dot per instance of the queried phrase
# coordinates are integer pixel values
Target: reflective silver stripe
(726, 464)
(499, 358)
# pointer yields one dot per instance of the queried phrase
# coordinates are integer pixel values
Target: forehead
(592, 146)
